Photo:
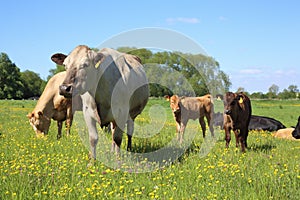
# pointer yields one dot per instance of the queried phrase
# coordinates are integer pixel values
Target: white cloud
(222, 18)
(187, 20)
(251, 71)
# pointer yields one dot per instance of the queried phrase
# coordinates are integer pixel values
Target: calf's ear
(29, 115)
(58, 58)
(167, 97)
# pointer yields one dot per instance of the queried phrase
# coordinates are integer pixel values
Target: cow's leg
(69, 120)
(227, 135)
(203, 125)
(93, 134)
(59, 127)
(130, 129)
(117, 133)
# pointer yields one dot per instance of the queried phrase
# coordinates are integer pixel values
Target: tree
(11, 86)
(59, 68)
(32, 84)
(273, 91)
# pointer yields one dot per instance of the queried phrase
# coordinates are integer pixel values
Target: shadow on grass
(261, 147)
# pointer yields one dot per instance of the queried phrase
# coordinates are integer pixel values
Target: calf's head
(174, 103)
(39, 122)
(232, 102)
(81, 66)
(296, 132)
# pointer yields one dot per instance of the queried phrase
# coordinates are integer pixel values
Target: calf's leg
(227, 135)
(59, 127)
(242, 138)
(209, 118)
(203, 125)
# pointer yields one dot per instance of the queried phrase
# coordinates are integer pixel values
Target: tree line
(168, 73)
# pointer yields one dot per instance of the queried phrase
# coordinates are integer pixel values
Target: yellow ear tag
(97, 64)
(241, 100)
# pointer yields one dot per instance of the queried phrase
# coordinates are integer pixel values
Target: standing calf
(238, 108)
(185, 108)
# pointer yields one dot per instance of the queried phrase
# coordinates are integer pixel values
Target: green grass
(44, 168)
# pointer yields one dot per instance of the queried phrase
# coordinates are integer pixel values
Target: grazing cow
(285, 133)
(113, 87)
(185, 108)
(238, 107)
(296, 132)
(52, 105)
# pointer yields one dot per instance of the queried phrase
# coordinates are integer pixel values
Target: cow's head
(174, 103)
(81, 66)
(39, 122)
(233, 102)
(296, 132)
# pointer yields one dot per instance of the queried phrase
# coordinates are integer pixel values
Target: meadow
(47, 168)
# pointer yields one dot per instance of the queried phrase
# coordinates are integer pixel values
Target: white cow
(113, 87)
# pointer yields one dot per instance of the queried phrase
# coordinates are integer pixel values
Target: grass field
(45, 168)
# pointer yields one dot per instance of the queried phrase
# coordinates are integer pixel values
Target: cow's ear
(96, 57)
(58, 58)
(298, 118)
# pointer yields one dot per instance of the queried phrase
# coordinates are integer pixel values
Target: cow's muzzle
(66, 90)
(227, 112)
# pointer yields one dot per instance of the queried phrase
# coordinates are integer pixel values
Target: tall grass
(45, 168)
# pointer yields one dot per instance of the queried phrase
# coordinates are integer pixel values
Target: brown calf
(185, 108)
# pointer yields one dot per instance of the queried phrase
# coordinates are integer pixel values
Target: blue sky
(256, 42)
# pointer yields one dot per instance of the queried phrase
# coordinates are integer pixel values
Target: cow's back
(51, 101)
(117, 87)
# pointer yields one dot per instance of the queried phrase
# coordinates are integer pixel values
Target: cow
(52, 105)
(185, 108)
(238, 107)
(286, 133)
(264, 123)
(296, 132)
(260, 123)
(113, 87)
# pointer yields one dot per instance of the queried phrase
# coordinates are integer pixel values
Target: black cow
(238, 107)
(260, 123)
(296, 132)
(264, 123)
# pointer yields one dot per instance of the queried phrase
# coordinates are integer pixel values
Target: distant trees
(168, 73)
(15, 84)
(11, 85)
(181, 73)
(292, 92)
